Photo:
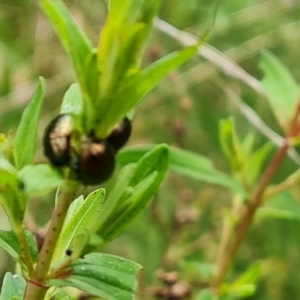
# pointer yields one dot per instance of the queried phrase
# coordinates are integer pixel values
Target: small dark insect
(95, 163)
(69, 252)
(120, 134)
(57, 140)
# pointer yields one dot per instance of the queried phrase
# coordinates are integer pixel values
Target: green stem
(230, 247)
(232, 241)
(25, 253)
(15, 214)
(36, 289)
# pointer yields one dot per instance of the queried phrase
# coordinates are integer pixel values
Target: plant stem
(35, 288)
(230, 247)
(232, 241)
(34, 291)
(25, 253)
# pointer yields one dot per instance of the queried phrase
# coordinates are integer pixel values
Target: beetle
(56, 140)
(94, 161)
(120, 134)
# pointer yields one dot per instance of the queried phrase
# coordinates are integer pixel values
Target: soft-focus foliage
(181, 228)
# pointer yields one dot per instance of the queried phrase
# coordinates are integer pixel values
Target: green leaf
(255, 162)
(103, 275)
(201, 168)
(144, 180)
(120, 41)
(75, 42)
(200, 269)
(280, 86)
(248, 143)
(26, 135)
(136, 87)
(282, 205)
(14, 200)
(32, 245)
(92, 76)
(124, 12)
(245, 285)
(230, 145)
(116, 57)
(79, 215)
(206, 294)
(242, 291)
(251, 276)
(115, 197)
(13, 287)
(186, 163)
(10, 244)
(58, 294)
(39, 179)
(8, 174)
(72, 102)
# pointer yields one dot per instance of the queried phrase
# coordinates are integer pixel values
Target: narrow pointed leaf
(72, 102)
(186, 163)
(78, 219)
(26, 135)
(138, 86)
(115, 197)
(280, 86)
(230, 144)
(145, 178)
(251, 276)
(75, 42)
(255, 162)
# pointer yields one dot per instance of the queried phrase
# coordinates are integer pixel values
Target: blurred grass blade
(281, 206)
(255, 162)
(281, 88)
(26, 135)
(245, 285)
(230, 145)
(251, 276)
(207, 294)
(13, 287)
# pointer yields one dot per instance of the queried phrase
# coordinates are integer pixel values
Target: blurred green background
(181, 229)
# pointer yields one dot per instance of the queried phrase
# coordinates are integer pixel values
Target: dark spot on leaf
(69, 252)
